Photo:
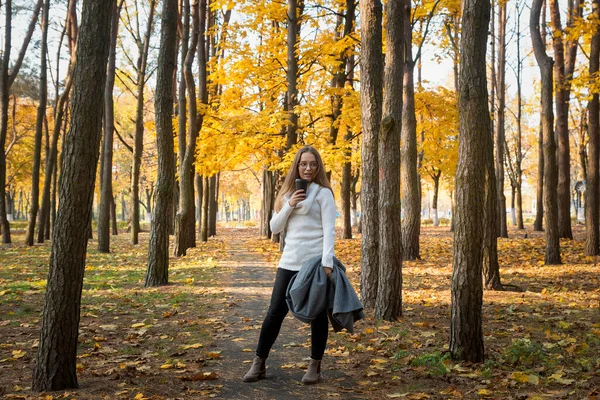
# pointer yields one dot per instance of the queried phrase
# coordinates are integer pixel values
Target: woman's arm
(328, 221)
(279, 219)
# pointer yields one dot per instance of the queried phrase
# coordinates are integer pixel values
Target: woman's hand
(328, 271)
(296, 198)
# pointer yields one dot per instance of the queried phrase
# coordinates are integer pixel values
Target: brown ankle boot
(313, 372)
(257, 371)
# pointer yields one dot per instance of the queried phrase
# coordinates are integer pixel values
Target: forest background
(128, 129)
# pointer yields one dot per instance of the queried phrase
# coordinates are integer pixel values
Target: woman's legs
(319, 329)
(278, 309)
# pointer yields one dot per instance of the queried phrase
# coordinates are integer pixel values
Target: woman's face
(307, 167)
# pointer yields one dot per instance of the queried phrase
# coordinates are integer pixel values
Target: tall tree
(466, 334)
(592, 194)
(158, 251)
(56, 359)
(411, 222)
(500, 121)
(539, 213)
(389, 294)
(547, 118)
(7, 77)
(143, 44)
(346, 187)
(39, 126)
(185, 233)
(564, 65)
(294, 14)
(106, 173)
(371, 92)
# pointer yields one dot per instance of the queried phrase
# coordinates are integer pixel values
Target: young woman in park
(308, 219)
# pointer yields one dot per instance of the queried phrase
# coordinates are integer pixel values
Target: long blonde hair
(289, 184)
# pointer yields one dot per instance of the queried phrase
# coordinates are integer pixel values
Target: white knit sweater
(310, 228)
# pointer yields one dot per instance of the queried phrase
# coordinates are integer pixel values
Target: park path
(246, 279)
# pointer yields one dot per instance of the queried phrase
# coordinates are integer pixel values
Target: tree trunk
(389, 294)
(500, 136)
(185, 232)
(539, 213)
(348, 211)
(294, 12)
(269, 179)
(106, 195)
(519, 159)
(113, 216)
(39, 126)
(561, 96)
(547, 119)
(55, 366)
(411, 221)
(436, 190)
(592, 214)
(345, 194)
(491, 267)
(205, 201)
(371, 65)
(198, 195)
(143, 46)
(513, 210)
(6, 80)
(212, 207)
(4, 100)
(51, 166)
(466, 335)
(158, 250)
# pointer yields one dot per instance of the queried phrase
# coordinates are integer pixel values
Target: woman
(309, 222)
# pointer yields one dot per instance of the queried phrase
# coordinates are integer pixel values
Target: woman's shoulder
(325, 193)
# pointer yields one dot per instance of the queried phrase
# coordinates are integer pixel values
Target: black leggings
(278, 309)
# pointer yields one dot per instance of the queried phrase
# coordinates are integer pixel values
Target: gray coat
(310, 292)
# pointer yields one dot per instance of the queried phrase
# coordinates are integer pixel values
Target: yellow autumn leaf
(138, 325)
(18, 353)
(522, 377)
(193, 346)
(166, 366)
(484, 392)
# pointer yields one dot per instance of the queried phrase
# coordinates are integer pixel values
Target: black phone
(301, 184)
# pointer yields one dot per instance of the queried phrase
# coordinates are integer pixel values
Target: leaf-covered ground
(195, 337)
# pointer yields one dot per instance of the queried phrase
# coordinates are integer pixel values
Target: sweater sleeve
(279, 219)
(328, 222)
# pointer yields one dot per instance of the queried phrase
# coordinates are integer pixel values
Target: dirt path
(247, 282)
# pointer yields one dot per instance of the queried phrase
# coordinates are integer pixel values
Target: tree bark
(592, 213)
(39, 126)
(106, 195)
(389, 294)
(411, 221)
(561, 95)
(198, 196)
(212, 206)
(6, 80)
(55, 367)
(501, 88)
(269, 179)
(294, 12)
(550, 168)
(138, 147)
(158, 250)
(466, 335)
(491, 267)
(436, 190)
(371, 65)
(205, 201)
